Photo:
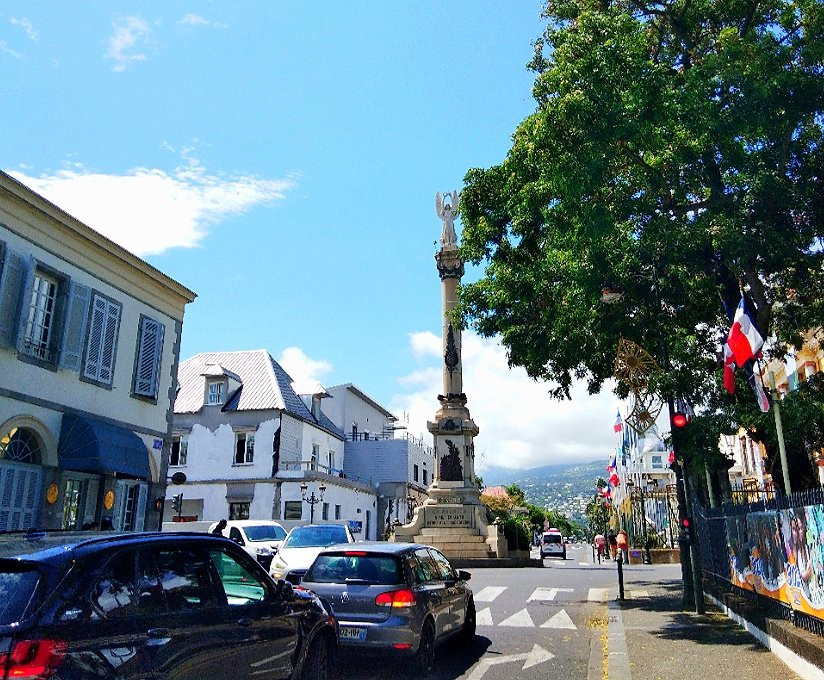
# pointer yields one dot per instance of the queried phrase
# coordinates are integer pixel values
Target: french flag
(744, 340)
(619, 424)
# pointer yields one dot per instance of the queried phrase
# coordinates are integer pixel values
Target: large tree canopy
(676, 154)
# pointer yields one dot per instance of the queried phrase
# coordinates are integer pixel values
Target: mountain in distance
(565, 488)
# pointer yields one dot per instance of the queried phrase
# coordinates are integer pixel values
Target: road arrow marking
(544, 594)
(560, 620)
(520, 620)
(489, 593)
(533, 658)
(483, 617)
(536, 656)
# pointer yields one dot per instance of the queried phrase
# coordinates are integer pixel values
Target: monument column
(452, 518)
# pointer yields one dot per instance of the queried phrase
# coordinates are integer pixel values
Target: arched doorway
(21, 478)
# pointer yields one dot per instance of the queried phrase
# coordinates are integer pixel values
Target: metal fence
(650, 518)
(769, 551)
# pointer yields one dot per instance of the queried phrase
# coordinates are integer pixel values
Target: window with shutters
(180, 447)
(101, 344)
(42, 311)
(148, 355)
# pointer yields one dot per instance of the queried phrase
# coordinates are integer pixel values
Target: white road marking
(584, 564)
(483, 617)
(598, 594)
(533, 658)
(544, 594)
(489, 593)
(520, 620)
(560, 620)
(638, 593)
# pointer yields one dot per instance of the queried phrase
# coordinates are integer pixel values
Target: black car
(152, 605)
(394, 597)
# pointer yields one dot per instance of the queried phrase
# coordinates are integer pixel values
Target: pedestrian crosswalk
(524, 619)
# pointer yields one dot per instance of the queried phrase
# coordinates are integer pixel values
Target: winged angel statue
(446, 207)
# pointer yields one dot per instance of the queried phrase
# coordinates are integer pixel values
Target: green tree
(675, 154)
(516, 494)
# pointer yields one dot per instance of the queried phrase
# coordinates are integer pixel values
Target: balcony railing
(386, 436)
(309, 466)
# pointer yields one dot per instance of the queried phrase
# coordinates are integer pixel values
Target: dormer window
(216, 393)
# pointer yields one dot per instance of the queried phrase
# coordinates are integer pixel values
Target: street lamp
(312, 499)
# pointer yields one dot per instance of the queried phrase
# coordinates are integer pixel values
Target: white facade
(89, 338)
(286, 445)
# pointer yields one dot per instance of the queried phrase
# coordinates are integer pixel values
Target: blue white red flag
(619, 424)
(744, 339)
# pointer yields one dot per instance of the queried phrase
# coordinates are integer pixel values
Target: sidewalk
(649, 637)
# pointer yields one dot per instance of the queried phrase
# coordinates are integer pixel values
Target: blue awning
(90, 445)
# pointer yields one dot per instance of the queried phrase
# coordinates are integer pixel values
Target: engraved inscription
(449, 517)
(450, 500)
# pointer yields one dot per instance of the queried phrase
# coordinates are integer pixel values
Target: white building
(397, 464)
(247, 442)
(89, 341)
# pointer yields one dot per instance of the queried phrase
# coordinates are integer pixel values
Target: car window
(185, 578)
(316, 537)
(241, 585)
(113, 595)
(18, 587)
(424, 568)
(444, 568)
(552, 538)
(265, 532)
(235, 535)
(337, 567)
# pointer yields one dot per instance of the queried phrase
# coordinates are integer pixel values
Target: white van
(552, 543)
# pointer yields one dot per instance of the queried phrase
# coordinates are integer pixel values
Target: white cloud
(303, 369)
(26, 25)
(520, 425)
(197, 20)
(131, 36)
(8, 50)
(147, 210)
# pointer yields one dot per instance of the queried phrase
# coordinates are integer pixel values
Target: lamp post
(312, 499)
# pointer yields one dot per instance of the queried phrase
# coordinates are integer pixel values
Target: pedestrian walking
(612, 540)
(622, 542)
(219, 527)
(599, 542)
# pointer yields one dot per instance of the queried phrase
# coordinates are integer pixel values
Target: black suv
(153, 605)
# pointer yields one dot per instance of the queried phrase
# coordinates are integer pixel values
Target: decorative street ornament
(646, 407)
(633, 365)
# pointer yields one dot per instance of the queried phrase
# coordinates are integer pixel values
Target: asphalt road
(532, 624)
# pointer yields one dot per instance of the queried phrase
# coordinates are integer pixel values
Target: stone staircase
(456, 543)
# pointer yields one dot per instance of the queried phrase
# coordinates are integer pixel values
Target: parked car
(390, 597)
(552, 543)
(300, 547)
(130, 606)
(260, 538)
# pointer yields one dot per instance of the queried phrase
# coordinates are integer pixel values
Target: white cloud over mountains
(148, 210)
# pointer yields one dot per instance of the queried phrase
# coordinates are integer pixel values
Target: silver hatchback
(394, 597)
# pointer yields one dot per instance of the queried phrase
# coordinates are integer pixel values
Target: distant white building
(247, 444)
(89, 342)
(396, 463)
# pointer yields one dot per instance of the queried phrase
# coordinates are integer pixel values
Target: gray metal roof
(264, 386)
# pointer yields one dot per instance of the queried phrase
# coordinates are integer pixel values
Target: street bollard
(620, 562)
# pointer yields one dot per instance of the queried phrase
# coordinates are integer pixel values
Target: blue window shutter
(140, 514)
(30, 268)
(74, 333)
(149, 351)
(102, 343)
(12, 278)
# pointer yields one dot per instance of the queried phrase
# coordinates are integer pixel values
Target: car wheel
(470, 621)
(316, 664)
(425, 656)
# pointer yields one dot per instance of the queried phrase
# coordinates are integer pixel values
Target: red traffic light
(685, 522)
(680, 420)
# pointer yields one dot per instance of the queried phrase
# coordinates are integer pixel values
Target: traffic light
(158, 503)
(177, 502)
(682, 415)
(680, 420)
(686, 526)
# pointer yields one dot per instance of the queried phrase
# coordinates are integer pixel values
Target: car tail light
(396, 598)
(354, 553)
(33, 659)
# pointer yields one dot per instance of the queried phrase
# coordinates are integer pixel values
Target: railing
(387, 436)
(768, 552)
(309, 466)
(651, 518)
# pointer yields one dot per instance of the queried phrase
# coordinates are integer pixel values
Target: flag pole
(779, 430)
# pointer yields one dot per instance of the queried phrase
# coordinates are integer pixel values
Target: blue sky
(281, 159)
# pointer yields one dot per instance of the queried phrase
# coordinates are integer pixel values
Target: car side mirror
(464, 575)
(284, 590)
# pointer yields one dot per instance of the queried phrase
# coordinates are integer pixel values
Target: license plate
(348, 633)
